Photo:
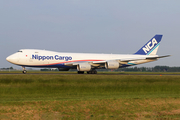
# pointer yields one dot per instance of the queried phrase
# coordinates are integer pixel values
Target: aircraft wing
(121, 61)
(90, 62)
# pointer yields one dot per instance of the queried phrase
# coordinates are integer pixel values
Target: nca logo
(150, 45)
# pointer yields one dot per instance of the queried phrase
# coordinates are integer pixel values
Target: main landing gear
(88, 72)
(80, 72)
(24, 70)
(92, 72)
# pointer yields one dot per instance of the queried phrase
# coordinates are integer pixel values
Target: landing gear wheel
(80, 72)
(92, 72)
(24, 71)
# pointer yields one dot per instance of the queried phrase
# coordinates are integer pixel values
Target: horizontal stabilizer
(158, 57)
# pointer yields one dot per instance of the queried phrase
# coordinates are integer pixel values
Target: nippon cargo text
(55, 57)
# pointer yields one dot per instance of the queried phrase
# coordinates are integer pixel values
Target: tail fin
(151, 47)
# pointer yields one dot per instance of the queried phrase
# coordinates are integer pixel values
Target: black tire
(24, 71)
(92, 72)
(80, 72)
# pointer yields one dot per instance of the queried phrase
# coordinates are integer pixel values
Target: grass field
(41, 96)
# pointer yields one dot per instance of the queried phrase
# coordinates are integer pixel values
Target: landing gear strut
(24, 70)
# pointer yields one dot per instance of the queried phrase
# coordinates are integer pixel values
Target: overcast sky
(89, 26)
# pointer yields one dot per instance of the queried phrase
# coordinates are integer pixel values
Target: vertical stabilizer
(151, 47)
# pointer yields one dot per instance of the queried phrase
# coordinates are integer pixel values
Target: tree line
(135, 69)
(151, 69)
(126, 69)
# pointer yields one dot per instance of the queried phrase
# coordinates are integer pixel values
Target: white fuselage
(44, 58)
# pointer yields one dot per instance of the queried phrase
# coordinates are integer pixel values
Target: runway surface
(81, 74)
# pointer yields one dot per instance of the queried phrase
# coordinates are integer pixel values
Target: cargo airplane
(85, 61)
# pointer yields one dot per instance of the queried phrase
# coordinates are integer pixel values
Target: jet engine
(84, 67)
(112, 65)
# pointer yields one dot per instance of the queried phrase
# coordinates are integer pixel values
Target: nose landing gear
(24, 70)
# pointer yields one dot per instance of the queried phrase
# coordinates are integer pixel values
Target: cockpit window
(19, 51)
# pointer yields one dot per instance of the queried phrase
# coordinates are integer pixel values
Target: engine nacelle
(84, 67)
(112, 65)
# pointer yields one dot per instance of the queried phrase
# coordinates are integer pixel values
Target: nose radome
(12, 59)
(8, 58)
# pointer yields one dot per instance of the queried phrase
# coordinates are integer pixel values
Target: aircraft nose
(8, 58)
(12, 59)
